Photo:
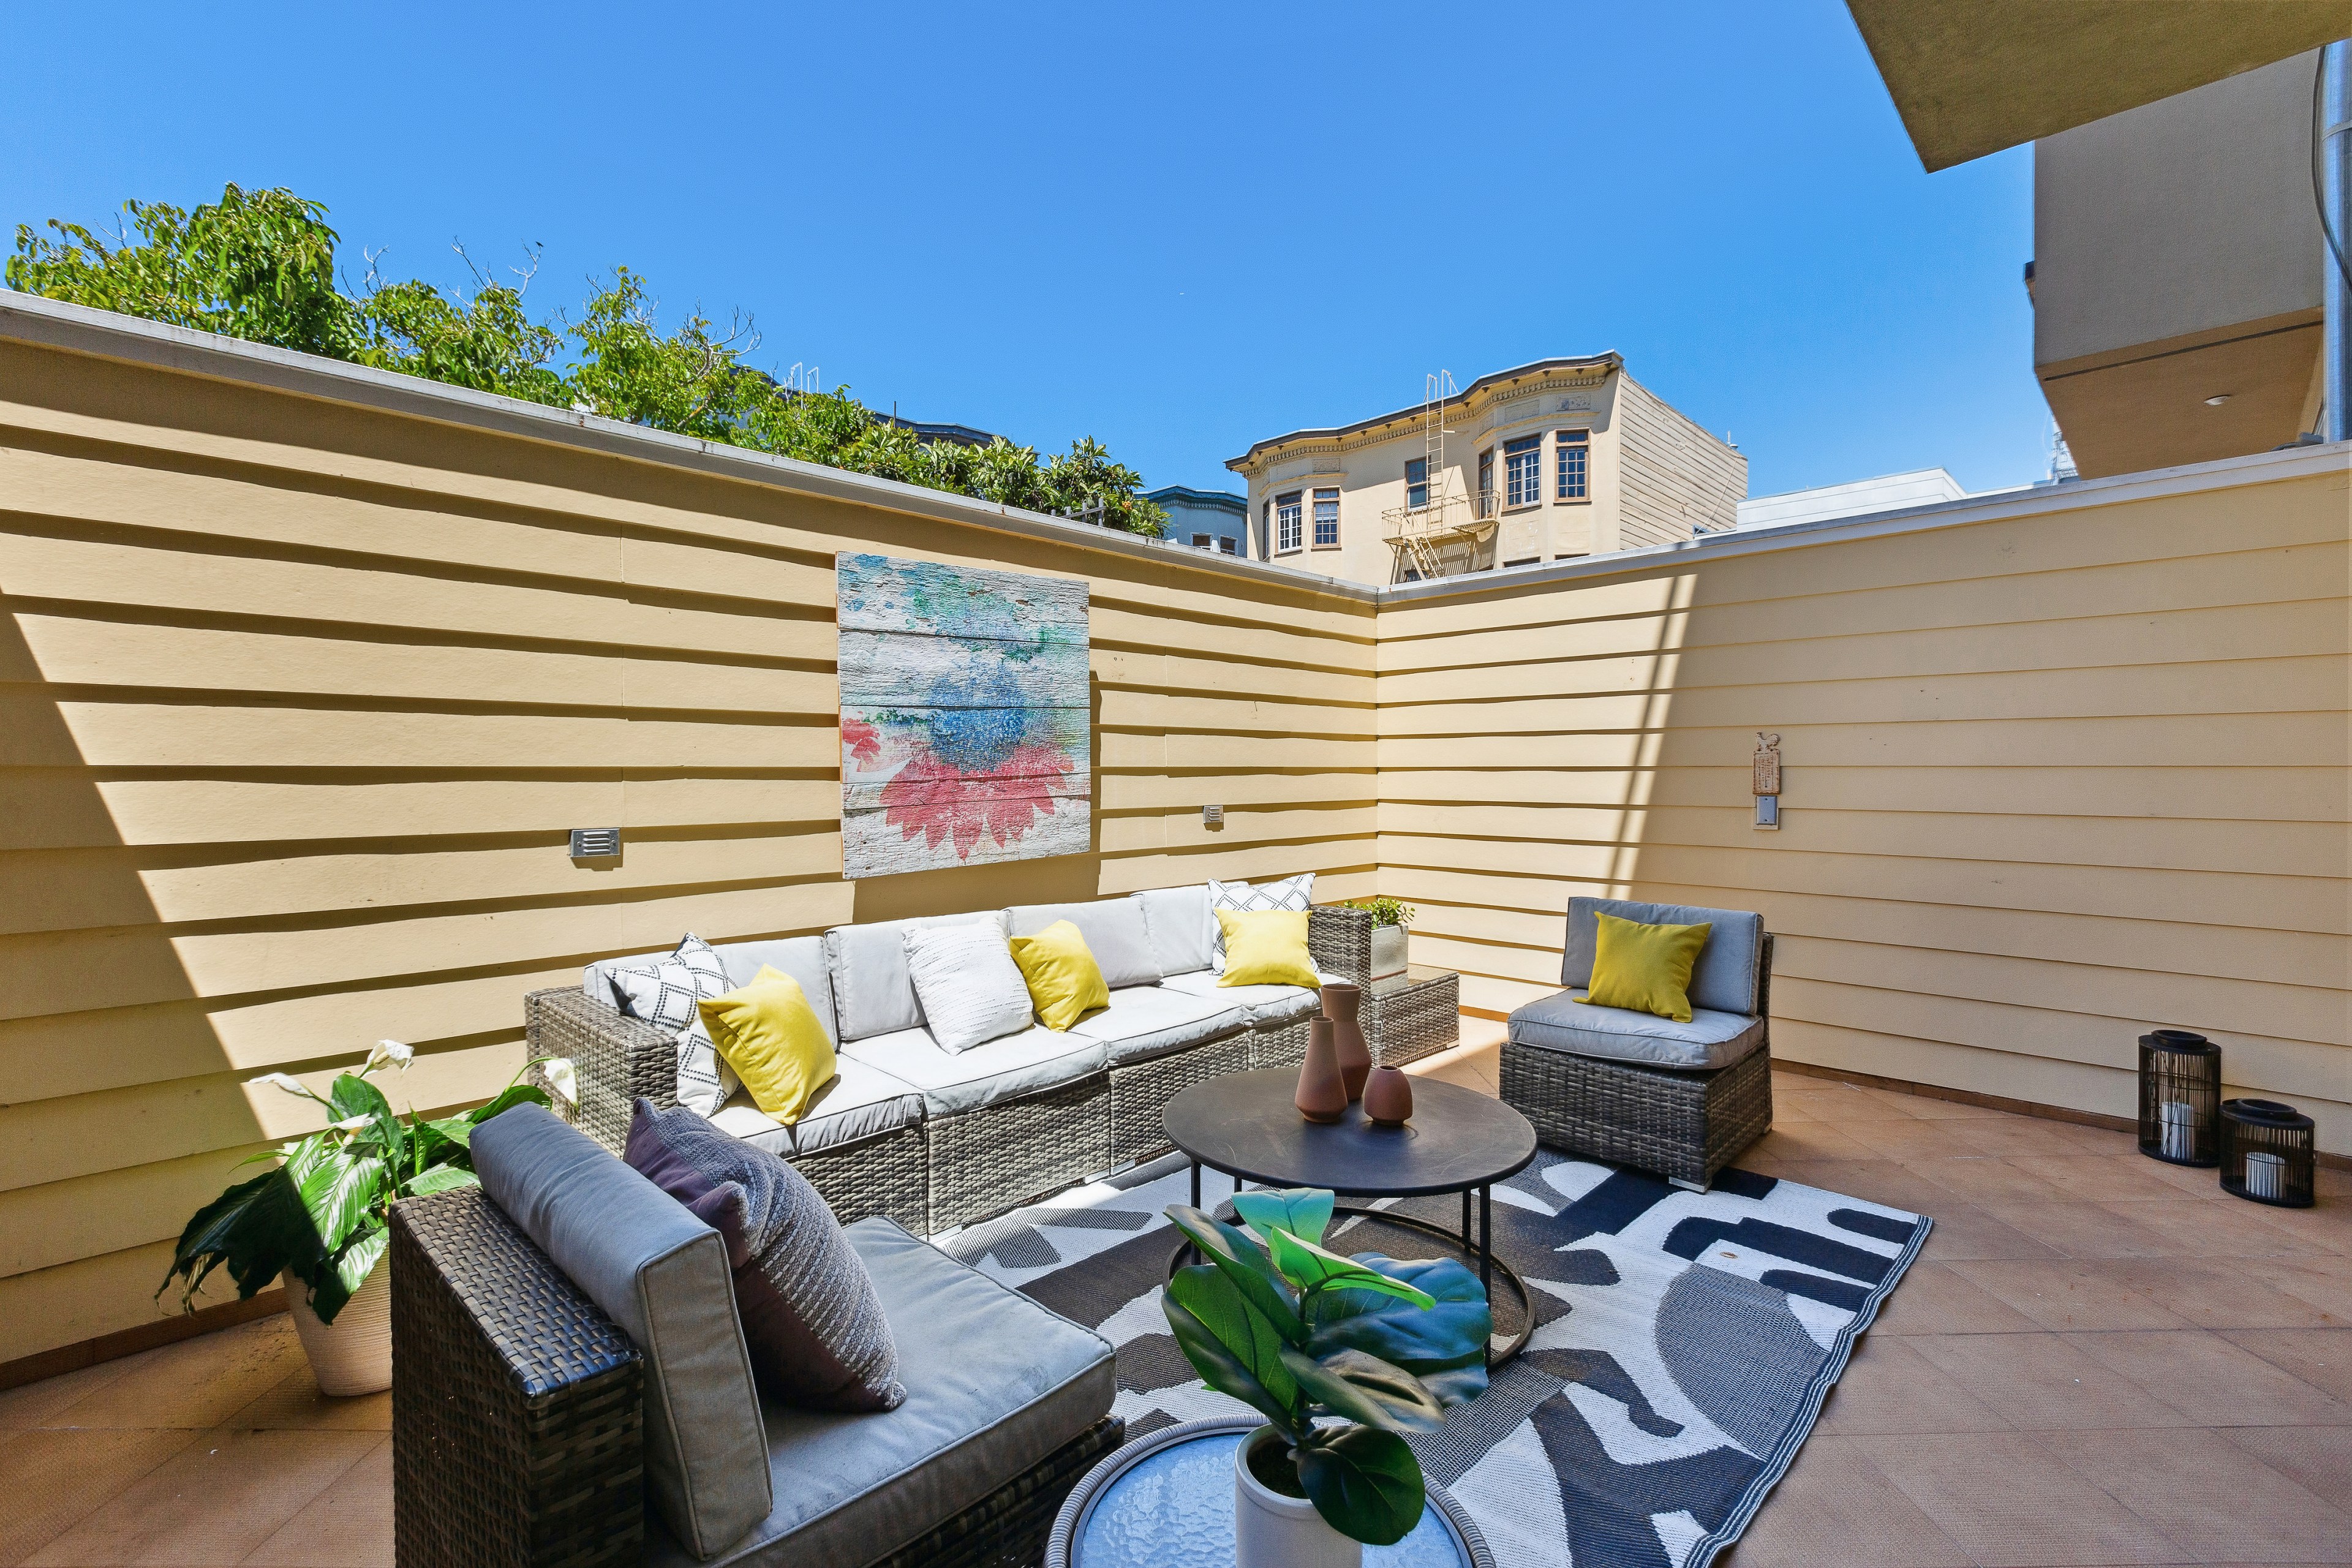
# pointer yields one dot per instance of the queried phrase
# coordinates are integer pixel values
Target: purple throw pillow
(810, 1319)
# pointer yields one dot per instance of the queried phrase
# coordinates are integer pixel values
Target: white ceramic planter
(1271, 1531)
(1388, 946)
(354, 1353)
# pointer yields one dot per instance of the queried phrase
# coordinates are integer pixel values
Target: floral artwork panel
(966, 731)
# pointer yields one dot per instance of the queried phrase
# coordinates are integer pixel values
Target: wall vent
(595, 843)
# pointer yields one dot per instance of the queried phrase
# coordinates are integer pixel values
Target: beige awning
(1972, 76)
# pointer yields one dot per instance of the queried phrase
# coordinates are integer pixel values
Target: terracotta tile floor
(2097, 1359)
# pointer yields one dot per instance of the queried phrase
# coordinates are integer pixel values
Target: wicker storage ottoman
(1413, 1014)
(1685, 1126)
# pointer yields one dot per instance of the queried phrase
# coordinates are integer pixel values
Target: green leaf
(353, 1265)
(255, 1229)
(1364, 1482)
(1244, 1263)
(514, 1094)
(1310, 1268)
(1365, 1388)
(1219, 1367)
(1448, 1336)
(1220, 1308)
(438, 1179)
(457, 1130)
(338, 1187)
(1304, 1211)
(353, 1096)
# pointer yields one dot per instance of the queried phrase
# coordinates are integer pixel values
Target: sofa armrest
(1340, 940)
(518, 1408)
(1764, 979)
(616, 1059)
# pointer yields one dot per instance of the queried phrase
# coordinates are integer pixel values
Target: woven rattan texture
(617, 1059)
(1281, 1048)
(1341, 941)
(1008, 1528)
(998, 1156)
(888, 1175)
(1413, 1020)
(1140, 1092)
(516, 1407)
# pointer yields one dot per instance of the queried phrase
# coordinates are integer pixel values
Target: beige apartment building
(1558, 459)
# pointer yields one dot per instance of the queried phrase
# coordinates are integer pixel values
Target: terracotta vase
(1322, 1093)
(1340, 1005)
(1387, 1098)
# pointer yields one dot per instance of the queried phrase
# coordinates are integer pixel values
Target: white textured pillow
(664, 994)
(970, 989)
(1290, 893)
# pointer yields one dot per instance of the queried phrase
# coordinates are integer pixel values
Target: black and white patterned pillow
(664, 994)
(1290, 893)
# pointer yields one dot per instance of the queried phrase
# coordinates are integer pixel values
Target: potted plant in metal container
(319, 1218)
(1301, 1334)
(1391, 917)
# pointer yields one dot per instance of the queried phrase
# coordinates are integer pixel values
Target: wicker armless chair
(1684, 1122)
(517, 1417)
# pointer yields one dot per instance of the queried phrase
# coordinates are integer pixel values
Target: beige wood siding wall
(300, 700)
(2052, 778)
(1675, 477)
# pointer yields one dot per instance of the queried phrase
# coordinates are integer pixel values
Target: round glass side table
(1166, 1500)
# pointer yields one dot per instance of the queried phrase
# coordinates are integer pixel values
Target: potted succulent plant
(1390, 938)
(319, 1218)
(1302, 1334)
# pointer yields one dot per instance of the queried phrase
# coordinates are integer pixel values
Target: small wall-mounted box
(596, 844)
(1766, 782)
(1213, 819)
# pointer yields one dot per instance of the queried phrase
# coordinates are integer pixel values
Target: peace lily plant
(1339, 1354)
(321, 1216)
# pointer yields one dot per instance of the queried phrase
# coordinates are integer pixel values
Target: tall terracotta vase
(1340, 1003)
(1322, 1093)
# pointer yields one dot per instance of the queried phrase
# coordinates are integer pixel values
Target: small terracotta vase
(1340, 1005)
(1322, 1093)
(1387, 1098)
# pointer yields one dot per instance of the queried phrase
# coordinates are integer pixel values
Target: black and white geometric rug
(1684, 1340)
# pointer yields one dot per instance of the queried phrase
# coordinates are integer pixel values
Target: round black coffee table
(1458, 1140)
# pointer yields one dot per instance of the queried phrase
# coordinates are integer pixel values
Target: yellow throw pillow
(1065, 980)
(1646, 969)
(1267, 947)
(770, 1035)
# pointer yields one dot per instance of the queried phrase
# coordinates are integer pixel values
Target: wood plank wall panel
(299, 700)
(1676, 478)
(2051, 780)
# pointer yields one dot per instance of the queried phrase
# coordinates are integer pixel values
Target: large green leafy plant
(321, 1215)
(1302, 1334)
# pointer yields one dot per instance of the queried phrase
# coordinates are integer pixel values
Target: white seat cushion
(1269, 1007)
(1564, 1020)
(860, 1102)
(1113, 930)
(1147, 1021)
(952, 1082)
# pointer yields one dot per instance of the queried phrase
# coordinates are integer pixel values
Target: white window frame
(1575, 445)
(1416, 491)
(1329, 499)
(1523, 471)
(1289, 522)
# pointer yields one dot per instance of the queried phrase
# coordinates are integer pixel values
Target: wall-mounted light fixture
(1767, 780)
(1213, 819)
(596, 844)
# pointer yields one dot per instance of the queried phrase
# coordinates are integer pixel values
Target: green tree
(260, 265)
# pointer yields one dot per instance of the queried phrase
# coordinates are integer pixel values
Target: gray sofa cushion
(860, 1102)
(1723, 979)
(1269, 1007)
(1114, 932)
(873, 993)
(954, 1082)
(665, 1278)
(802, 957)
(1147, 1021)
(1562, 1021)
(1176, 921)
(995, 1384)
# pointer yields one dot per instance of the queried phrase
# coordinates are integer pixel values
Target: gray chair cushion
(873, 992)
(860, 1102)
(802, 957)
(1725, 977)
(1114, 932)
(1269, 1007)
(1147, 1021)
(665, 1278)
(952, 1082)
(1562, 1021)
(1177, 922)
(995, 1384)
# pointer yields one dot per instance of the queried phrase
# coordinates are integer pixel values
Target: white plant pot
(1390, 945)
(354, 1353)
(1271, 1531)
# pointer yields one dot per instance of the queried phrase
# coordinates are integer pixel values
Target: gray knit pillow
(810, 1319)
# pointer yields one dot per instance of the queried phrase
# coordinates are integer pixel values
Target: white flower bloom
(291, 1084)
(390, 1051)
(354, 1124)
(562, 1078)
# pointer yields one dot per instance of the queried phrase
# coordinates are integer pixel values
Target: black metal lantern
(2266, 1152)
(2179, 1098)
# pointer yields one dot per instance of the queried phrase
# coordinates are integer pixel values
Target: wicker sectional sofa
(934, 1139)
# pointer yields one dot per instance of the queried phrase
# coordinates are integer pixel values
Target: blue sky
(1178, 228)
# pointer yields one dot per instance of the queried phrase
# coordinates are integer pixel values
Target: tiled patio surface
(2098, 1360)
